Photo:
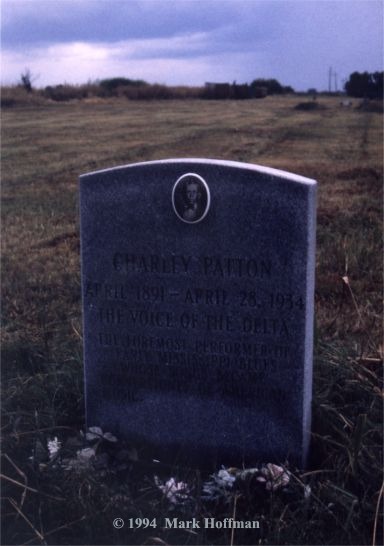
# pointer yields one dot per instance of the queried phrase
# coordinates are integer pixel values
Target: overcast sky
(191, 41)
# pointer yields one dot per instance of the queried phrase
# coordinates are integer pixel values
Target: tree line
(363, 85)
(140, 89)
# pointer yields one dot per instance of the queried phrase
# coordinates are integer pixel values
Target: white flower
(96, 433)
(307, 491)
(82, 461)
(53, 447)
(174, 491)
(86, 454)
(219, 484)
(274, 477)
(224, 479)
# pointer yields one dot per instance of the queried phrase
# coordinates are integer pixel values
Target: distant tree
(110, 86)
(273, 86)
(65, 92)
(27, 79)
(217, 91)
(240, 91)
(365, 84)
(377, 81)
(259, 92)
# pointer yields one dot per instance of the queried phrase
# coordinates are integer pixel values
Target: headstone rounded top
(192, 161)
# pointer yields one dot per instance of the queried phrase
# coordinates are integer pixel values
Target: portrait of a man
(191, 198)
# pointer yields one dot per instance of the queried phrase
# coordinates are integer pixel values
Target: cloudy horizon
(189, 42)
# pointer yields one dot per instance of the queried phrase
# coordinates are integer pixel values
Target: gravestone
(198, 288)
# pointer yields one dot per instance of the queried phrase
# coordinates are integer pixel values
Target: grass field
(44, 149)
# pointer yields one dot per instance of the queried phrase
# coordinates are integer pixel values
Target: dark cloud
(110, 21)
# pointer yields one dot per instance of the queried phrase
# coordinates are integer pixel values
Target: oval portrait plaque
(191, 198)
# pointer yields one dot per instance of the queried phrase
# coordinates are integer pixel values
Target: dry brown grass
(44, 150)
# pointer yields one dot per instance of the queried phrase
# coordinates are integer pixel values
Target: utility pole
(332, 76)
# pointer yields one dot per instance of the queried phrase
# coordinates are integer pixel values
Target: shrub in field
(62, 93)
(111, 87)
(18, 96)
(185, 92)
(273, 86)
(159, 92)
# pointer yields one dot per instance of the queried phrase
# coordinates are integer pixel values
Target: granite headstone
(198, 288)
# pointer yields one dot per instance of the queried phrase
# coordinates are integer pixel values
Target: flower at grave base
(224, 478)
(54, 447)
(82, 461)
(96, 433)
(86, 454)
(175, 492)
(219, 485)
(274, 477)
